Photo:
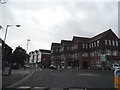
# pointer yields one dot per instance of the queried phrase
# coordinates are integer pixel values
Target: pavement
(15, 76)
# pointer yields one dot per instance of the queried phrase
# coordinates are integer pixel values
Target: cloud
(47, 22)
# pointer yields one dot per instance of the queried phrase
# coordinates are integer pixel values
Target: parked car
(115, 66)
(27, 66)
(53, 67)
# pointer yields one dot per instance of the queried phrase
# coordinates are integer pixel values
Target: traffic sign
(117, 72)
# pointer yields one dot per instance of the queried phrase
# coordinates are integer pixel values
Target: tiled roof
(45, 51)
(80, 39)
(101, 35)
(66, 41)
(55, 44)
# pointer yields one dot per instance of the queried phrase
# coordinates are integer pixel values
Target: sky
(44, 22)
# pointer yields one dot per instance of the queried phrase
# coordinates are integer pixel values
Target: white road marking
(38, 88)
(24, 87)
(88, 74)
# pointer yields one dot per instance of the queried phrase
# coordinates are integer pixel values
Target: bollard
(117, 79)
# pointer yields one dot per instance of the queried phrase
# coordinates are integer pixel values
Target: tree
(19, 56)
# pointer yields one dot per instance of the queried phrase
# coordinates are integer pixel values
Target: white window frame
(105, 42)
(116, 43)
(98, 42)
(110, 42)
(113, 42)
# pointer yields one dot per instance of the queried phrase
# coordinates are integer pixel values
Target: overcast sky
(47, 22)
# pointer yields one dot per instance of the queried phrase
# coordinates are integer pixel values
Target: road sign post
(117, 79)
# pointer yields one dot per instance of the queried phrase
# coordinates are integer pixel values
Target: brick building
(82, 52)
(6, 52)
(40, 58)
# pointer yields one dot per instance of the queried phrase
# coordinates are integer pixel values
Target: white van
(115, 66)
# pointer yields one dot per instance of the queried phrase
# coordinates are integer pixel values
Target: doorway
(85, 64)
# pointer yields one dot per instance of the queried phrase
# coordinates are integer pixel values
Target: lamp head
(17, 25)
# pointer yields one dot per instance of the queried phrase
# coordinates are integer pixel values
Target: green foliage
(19, 56)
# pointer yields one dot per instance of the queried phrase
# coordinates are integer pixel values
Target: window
(109, 42)
(72, 55)
(84, 54)
(56, 50)
(72, 48)
(62, 56)
(83, 45)
(92, 54)
(97, 53)
(95, 44)
(98, 42)
(86, 46)
(76, 55)
(98, 63)
(113, 43)
(105, 42)
(90, 45)
(62, 49)
(114, 52)
(68, 48)
(116, 43)
(75, 46)
(108, 52)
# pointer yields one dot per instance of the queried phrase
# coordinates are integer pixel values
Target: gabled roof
(80, 39)
(66, 41)
(102, 35)
(45, 51)
(5, 45)
(53, 44)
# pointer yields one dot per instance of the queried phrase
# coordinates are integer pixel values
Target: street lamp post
(27, 44)
(4, 62)
(27, 51)
(7, 29)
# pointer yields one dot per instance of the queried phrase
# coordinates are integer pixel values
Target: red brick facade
(86, 52)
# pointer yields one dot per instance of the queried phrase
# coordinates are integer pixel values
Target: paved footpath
(15, 76)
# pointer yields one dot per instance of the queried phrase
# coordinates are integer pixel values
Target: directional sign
(117, 72)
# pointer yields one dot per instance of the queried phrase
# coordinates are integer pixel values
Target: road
(69, 78)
